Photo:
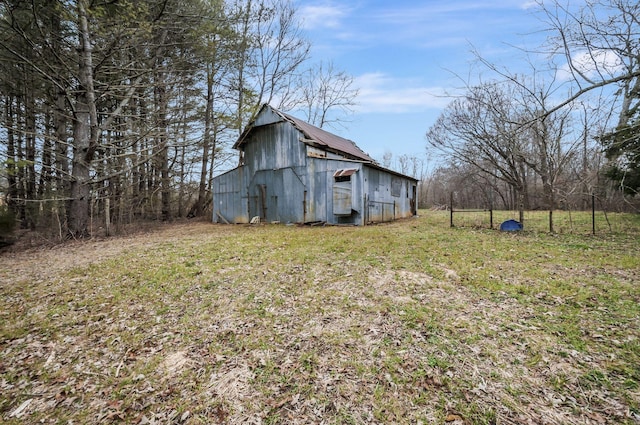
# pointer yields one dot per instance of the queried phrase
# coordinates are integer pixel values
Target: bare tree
(280, 51)
(481, 129)
(327, 95)
(387, 159)
(268, 53)
(599, 42)
(554, 143)
(122, 110)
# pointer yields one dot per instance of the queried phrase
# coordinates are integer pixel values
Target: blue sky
(407, 56)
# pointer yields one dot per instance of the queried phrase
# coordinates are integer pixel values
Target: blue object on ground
(511, 226)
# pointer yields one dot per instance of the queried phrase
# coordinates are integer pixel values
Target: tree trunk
(84, 133)
(44, 184)
(12, 168)
(161, 146)
(20, 199)
(30, 155)
(208, 121)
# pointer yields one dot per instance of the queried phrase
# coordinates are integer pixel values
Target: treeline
(123, 110)
(582, 175)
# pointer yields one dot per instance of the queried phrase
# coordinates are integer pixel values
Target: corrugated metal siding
(277, 195)
(389, 196)
(276, 161)
(274, 146)
(330, 201)
(285, 180)
(308, 194)
(228, 203)
(267, 116)
(342, 198)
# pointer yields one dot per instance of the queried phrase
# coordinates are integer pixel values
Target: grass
(407, 322)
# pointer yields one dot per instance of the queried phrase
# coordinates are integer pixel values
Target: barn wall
(278, 195)
(389, 196)
(322, 188)
(285, 180)
(274, 146)
(276, 163)
(228, 200)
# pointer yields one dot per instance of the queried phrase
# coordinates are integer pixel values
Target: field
(408, 322)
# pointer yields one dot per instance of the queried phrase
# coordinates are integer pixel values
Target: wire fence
(557, 221)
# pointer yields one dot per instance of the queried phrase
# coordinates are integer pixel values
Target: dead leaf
(452, 417)
(20, 410)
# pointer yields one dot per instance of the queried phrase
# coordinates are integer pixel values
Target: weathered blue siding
(277, 195)
(274, 146)
(390, 196)
(229, 204)
(321, 190)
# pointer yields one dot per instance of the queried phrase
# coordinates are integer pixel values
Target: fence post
(107, 217)
(593, 213)
(491, 219)
(451, 209)
(521, 209)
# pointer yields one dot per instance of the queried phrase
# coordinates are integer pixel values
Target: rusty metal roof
(322, 137)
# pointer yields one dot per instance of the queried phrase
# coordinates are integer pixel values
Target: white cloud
(322, 16)
(381, 93)
(527, 5)
(590, 63)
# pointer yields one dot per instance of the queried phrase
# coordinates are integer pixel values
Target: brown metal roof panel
(345, 172)
(330, 140)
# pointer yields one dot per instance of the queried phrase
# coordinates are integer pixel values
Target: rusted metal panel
(328, 141)
(311, 135)
(344, 172)
(316, 153)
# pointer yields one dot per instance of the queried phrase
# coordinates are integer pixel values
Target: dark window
(344, 175)
(396, 187)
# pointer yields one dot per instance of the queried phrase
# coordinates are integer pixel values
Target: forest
(122, 111)
(115, 112)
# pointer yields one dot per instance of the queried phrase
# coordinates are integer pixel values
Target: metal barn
(293, 172)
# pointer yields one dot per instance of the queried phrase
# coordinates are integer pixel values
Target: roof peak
(324, 137)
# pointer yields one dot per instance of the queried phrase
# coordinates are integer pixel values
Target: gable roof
(314, 136)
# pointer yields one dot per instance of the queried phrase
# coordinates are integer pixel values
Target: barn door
(343, 191)
(258, 201)
(414, 199)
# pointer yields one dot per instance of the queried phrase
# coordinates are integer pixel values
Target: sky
(408, 58)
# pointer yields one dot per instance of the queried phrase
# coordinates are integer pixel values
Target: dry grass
(404, 323)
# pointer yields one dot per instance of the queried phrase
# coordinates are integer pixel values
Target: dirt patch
(44, 260)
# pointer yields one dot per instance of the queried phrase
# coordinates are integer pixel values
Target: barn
(293, 172)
